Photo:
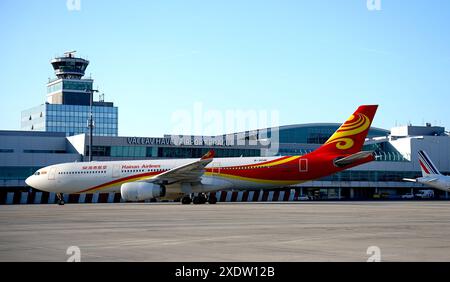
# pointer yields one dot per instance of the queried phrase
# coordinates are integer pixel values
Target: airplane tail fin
(427, 166)
(350, 137)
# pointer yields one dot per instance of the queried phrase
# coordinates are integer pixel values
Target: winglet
(209, 155)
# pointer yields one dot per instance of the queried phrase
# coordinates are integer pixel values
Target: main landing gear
(199, 199)
(186, 200)
(60, 200)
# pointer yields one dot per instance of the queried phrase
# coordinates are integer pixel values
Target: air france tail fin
(427, 166)
(350, 137)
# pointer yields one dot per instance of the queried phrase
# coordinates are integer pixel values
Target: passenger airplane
(180, 178)
(430, 174)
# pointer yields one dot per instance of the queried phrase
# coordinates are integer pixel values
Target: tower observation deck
(69, 87)
(69, 66)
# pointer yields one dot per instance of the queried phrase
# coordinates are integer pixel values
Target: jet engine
(139, 191)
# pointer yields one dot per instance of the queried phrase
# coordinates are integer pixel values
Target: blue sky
(312, 61)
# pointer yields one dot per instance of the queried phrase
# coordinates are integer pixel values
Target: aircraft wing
(190, 172)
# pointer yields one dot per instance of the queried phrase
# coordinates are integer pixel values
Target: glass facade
(371, 175)
(72, 119)
(316, 133)
(80, 85)
(68, 84)
(45, 151)
(189, 152)
(168, 152)
(33, 119)
(130, 151)
(69, 91)
(384, 151)
(54, 87)
(16, 172)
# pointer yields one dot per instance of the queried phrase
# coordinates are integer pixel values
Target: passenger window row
(243, 167)
(143, 170)
(83, 172)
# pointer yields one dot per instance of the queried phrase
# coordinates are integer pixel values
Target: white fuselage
(108, 176)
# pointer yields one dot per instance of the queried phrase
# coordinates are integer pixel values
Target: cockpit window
(37, 173)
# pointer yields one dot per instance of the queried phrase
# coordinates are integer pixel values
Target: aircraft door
(116, 171)
(52, 173)
(215, 169)
(303, 165)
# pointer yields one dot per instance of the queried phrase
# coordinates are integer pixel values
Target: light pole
(91, 121)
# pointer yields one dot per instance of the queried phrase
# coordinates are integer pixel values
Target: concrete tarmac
(285, 231)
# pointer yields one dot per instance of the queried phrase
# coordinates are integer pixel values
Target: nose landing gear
(60, 200)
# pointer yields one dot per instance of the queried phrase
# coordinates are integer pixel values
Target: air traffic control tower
(68, 101)
(69, 88)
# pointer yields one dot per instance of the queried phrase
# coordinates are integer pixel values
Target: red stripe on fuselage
(261, 163)
(284, 171)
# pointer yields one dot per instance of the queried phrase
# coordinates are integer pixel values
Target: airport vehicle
(425, 194)
(383, 195)
(303, 198)
(408, 196)
(180, 178)
(430, 174)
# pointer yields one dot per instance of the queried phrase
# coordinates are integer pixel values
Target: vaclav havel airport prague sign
(177, 140)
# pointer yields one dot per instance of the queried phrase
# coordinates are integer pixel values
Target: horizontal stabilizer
(409, 179)
(352, 159)
(431, 179)
(421, 179)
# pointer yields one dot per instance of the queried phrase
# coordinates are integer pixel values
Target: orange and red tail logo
(350, 136)
(353, 126)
